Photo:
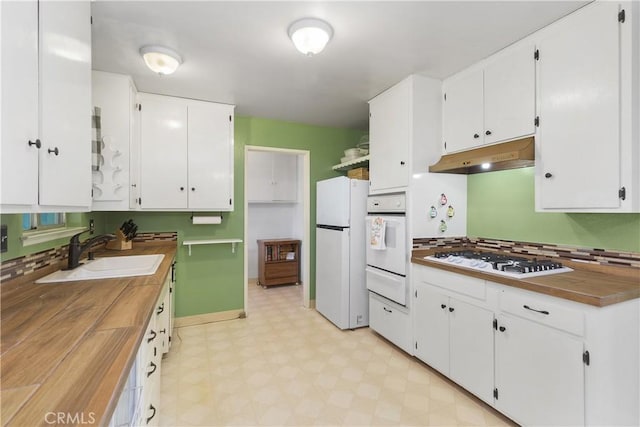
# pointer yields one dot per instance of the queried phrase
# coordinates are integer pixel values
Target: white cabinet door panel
(259, 176)
(538, 364)
(431, 327)
(163, 152)
(509, 96)
(19, 102)
(285, 177)
(463, 112)
(579, 151)
(471, 348)
(65, 99)
(210, 155)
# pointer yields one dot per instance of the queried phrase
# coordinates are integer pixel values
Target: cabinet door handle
(537, 311)
(387, 310)
(451, 309)
(153, 336)
(193, 188)
(488, 132)
(153, 369)
(37, 143)
(152, 415)
(54, 151)
(443, 306)
(402, 162)
(476, 136)
(502, 329)
(548, 175)
(181, 188)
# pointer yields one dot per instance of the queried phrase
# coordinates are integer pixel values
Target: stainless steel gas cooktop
(504, 265)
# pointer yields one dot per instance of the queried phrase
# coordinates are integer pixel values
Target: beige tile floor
(285, 365)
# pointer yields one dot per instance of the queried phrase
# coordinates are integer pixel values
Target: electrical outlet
(4, 244)
(91, 225)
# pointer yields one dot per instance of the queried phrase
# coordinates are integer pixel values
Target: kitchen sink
(108, 268)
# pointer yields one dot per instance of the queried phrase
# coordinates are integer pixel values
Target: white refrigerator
(341, 291)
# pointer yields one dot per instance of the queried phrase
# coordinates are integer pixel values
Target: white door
(509, 95)
(332, 275)
(259, 176)
(65, 103)
(210, 156)
(389, 127)
(333, 199)
(579, 92)
(463, 112)
(285, 177)
(535, 363)
(393, 257)
(471, 348)
(19, 102)
(163, 152)
(431, 327)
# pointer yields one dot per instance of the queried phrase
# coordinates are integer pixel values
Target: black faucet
(76, 249)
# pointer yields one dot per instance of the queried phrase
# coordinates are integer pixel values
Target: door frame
(306, 221)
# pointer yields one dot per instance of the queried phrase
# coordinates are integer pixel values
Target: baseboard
(200, 319)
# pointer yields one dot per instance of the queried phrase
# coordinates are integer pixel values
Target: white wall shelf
(212, 242)
(360, 161)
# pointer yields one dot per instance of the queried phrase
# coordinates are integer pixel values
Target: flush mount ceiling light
(161, 60)
(310, 35)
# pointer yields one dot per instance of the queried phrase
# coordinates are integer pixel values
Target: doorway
(271, 211)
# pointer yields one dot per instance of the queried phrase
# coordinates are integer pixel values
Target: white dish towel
(378, 227)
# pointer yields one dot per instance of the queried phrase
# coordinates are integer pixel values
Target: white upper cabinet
(186, 154)
(404, 132)
(493, 101)
(115, 185)
(585, 155)
(271, 177)
(46, 101)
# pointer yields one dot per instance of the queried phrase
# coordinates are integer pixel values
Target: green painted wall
(501, 206)
(211, 279)
(14, 232)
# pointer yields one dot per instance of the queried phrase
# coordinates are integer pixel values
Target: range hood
(507, 155)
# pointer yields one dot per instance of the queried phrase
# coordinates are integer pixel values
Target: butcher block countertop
(594, 285)
(68, 347)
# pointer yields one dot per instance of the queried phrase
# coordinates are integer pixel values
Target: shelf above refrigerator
(360, 161)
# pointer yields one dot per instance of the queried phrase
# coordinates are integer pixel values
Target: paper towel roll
(207, 219)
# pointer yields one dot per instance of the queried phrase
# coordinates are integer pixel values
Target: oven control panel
(387, 203)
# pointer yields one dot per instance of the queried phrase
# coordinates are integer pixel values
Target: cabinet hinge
(445, 145)
(536, 55)
(586, 358)
(415, 293)
(622, 193)
(140, 201)
(229, 202)
(229, 117)
(91, 20)
(495, 393)
(536, 121)
(139, 107)
(495, 324)
(416, 345)
(621, 16)
(92, 193)
(445, 96)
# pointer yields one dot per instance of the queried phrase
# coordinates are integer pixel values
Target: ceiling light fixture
(310, 35)
(161, 60)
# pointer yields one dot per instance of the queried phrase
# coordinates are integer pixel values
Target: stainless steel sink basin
(107, 268)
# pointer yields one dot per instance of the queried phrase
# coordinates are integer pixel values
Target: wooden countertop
(597, 286)
(68, 347)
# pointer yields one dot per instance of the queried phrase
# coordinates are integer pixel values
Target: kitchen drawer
(391, 321)
(458, 283)
(391, 286)
(543, 310)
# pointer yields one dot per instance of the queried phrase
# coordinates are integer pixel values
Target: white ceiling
(239, 53)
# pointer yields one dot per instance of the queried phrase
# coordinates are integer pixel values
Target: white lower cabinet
(538, 359)
(455, 338)
(390, 320)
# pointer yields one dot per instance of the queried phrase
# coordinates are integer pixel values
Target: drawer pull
(502, 329)
(152, 415)
(451, 309)
(443, 306)
(153, 336)
(537, 311)
(387, 310)
(154, 367)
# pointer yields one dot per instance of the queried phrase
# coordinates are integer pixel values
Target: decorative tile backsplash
(30, 263)
(589, 255)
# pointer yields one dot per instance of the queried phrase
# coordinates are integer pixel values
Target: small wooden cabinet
(278, 262)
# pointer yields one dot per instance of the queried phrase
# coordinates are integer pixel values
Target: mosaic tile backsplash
(30, 263)
(588, 255)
